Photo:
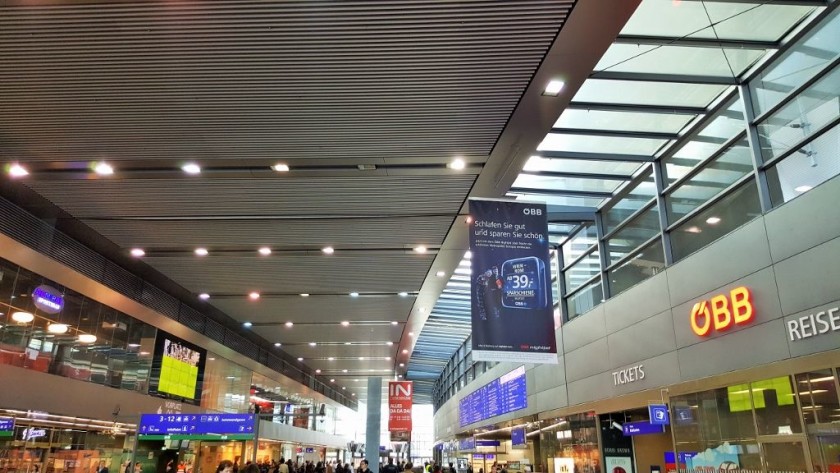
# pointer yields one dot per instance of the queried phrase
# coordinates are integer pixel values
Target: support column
(374, 422)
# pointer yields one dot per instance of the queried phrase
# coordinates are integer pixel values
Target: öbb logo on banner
(531, 211)
(722, 311)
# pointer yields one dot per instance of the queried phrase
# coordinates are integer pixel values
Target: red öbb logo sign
(722, 312)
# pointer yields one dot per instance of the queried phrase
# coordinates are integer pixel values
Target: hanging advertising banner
(399, 406)
(512, 304)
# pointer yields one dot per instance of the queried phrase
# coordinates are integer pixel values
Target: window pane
(813, 164)
(818, 394)
(623, 121)
(582, 271)
(641, 194)
(683, 60)
(646, 263)
(807, 113)
(556, 200)
(583, 239)
(647, 93)
(532, 181)
(584, 300)
(729, 213)
(599, 144)
(709, 140)
(634, 234)
(802, 62)
(775, 404)
(537, 163)
(733, 164)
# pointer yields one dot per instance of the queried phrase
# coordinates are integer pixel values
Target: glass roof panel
(682, 60)
(599, 144)
(557, 200)
(537, 163)
(566, 183)
(623, 121)
(648, 93)
(735, 21)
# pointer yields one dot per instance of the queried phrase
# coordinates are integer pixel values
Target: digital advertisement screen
(505, 394)
(177, 368)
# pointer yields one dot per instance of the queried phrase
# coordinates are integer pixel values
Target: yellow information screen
(181, 365)
(177, 377)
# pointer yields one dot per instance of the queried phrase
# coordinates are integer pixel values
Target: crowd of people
(289, 466)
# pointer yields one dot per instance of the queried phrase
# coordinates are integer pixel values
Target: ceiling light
(312, 344)
(204, 296)
(289, 324)
(304, 295)
(343, 388)
(103, 169)
(331, 358)
(16, 170)
(328, 250)
(247, 324)
(300, 359)
(713, 220)
(440, 274)
(280, 167)
(803, 188)
(22, 317)
(468, 255)
(354, 294)
(405, 352)
(389, 343)
(371, 370)
(394, 322)
(318, 371)
(403, 294)
(420, 249)
(57, 328)
(402, 365)
(87, 338)
(410, 334)
(345, 323)
(422, 310)
(343, 371)
(361, 358)
(265, 251)
(191, 168)
(332, 380)
(278, 344)
(457, 164)
(388, 358)
(554, 87)
(254, 296)
(144, 353)
(201, 252)
(353, 394)
(469, 219)
(694, 229)
(211, 359)
(137, 252)
(347, 343)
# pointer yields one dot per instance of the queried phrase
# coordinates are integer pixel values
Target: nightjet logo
(722, 311)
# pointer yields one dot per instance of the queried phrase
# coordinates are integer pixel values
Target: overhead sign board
(197, 426)
(512, 305)
(659, 414)
(517, 437)
(641, 428)
(7, 427)
(48, 299)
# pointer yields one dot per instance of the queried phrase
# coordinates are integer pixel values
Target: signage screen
(197, 426)
(7, 426)
(517, 437)
(399, 406)
(505, 394)
(177, 368)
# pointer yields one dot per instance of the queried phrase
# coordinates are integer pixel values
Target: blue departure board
(517, 437)
(505, 394)
(185, 425)
(7, 426)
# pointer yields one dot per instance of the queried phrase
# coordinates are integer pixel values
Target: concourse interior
(240, 233)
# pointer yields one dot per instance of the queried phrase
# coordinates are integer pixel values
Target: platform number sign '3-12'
(722, 311)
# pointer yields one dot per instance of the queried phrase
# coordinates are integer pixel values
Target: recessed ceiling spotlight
(332, 380)
(16, 170)
(254, 296)
(204, 296)
(318, 371)
(300, 359)
(354, 294)
(331, 358)
(420, 249)
(399, 376)
(103, 169)
(388, 358)
(278, 344)
(347, 343)
(693, 229)
(289, 324)
(312, 344)
(389, 343)
(343, 388)
(280, 167)
(191, 168)
(469, 219)
(343, 371)
(138, 252)
(405, 352)
(554, 87)
(457, 164)
(87, 338)
(403, 294)
(247, 324)
(361, 358)
(328, 250)
(345, 323)
(304, 294)
(394, 322)
(802, 189)
(353, 394)
(410, 334)
(713, 220)
(201, 252)
(422, 310)
(402, 365)
(371, 370)
(265, 251)
(440, 274)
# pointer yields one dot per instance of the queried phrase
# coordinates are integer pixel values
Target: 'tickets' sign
(399, 405)
(722, 312)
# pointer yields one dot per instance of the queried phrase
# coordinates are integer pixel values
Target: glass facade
(696, 159)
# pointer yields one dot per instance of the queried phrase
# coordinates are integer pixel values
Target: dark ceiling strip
(573, 193)
(633, 158)
(654, 77)
(653, 135)
(696, 42)
(617, 107)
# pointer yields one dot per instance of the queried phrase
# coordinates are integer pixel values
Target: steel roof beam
(696, 42)
(654, 77)
(652, 135)
(563, 192)
(579, 175)
(634, 158)
(621, 107)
